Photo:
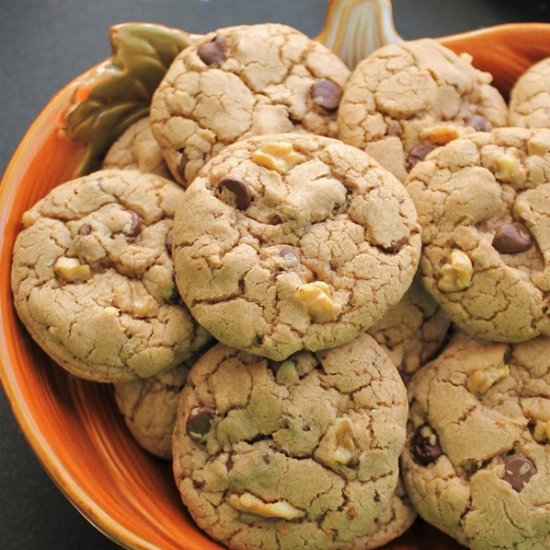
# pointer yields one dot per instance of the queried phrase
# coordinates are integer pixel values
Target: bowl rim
(51, 462)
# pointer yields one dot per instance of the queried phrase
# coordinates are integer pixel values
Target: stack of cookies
(235, 214)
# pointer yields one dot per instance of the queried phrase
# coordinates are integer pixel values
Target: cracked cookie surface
(243, 81)
(484, 206)
(477, 460)
(530, 97)
(273, 454)
(92, 277)
(413, 330)
(290, 242)
(398, 516)
(149, 407)
(137, 149)
(406, 99)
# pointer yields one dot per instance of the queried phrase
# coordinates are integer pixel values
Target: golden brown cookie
(137, 149)
(268, 455)
(484, 206)
(413, 330)
(398, 516)
(92, 277)
(408, 98)
(149, 407)
(477, 460)
(290, 242)
(530, 97)
(243, 81)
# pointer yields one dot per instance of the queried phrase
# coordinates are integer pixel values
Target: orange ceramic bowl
(73, 425)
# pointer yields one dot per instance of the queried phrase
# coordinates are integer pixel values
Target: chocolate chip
(184, 159)
(479, 123)
(327, 94)
(198, 484)
(135, 226)
(509, 240)
(418, 153)
(169, 241)
(85, 229)
(213, 53)
(199, 422)
(241, 191)
(395, 247)
(426, 447)
(518, 470)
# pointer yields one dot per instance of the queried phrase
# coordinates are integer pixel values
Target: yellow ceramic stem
(353, 29)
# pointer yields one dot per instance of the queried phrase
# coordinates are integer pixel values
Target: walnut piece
(135, 300)
(317, 297)
(345, 447)
(457, 273)
(253, 505)
(277, 155)
(71, 270)
(440, 135)
(508, 167)
(480, 381)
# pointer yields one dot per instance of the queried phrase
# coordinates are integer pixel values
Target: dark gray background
(43, 45)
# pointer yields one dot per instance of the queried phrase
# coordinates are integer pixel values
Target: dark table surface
(43, 45)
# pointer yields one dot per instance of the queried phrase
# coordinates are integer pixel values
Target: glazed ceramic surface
(73, 425)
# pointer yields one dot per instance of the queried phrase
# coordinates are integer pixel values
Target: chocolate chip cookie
(413, 330)
(137, 149)
(243, 81)
(390, 524)
(149, 408)
(484, 206)
(477, 460)
(269, 454)
(530, 97)
(290, 242)
(92, 277)
(406, 99)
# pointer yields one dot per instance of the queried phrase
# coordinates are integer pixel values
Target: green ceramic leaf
(119, 91)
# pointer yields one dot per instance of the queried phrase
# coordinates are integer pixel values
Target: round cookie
(405, 99)
(412, 331)
(272, 454)
(92, 277)
(242, 81)
(398, 516)
(137, 149)
(530, 97)
(484, 206)
(149, 408)
(477, 460)
(290, 242)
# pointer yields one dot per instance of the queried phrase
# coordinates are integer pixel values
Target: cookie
(530, 97)
(412, 331)
(92, 277)
(484, 206)
(149, 408)
(243, 81)
(137, 149)
(390, 524)
(272, 454)
(406, 99)
(290, 242)
(477, 460)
